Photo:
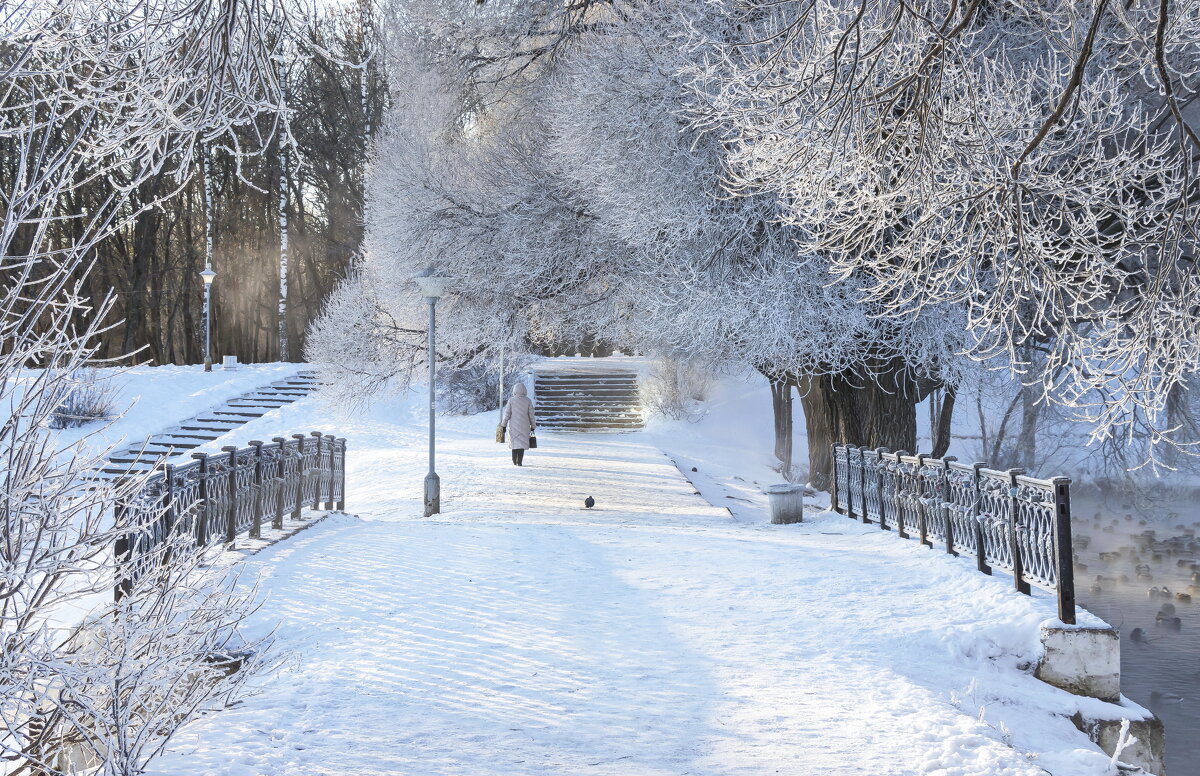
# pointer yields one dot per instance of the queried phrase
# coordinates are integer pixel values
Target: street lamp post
(208, 276)
(432, 287)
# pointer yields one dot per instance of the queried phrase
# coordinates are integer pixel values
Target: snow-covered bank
(151, 399)
(518, 633)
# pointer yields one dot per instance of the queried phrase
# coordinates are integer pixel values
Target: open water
(1125, 556)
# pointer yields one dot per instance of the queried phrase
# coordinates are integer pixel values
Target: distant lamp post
(208, 276)
(432, 287)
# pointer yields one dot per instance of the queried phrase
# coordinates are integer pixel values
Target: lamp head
(208, 275)
(432, 283)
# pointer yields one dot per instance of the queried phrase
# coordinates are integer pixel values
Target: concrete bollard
(1082, 660)
(787, 503)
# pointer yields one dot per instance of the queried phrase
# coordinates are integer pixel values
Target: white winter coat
(518, 418)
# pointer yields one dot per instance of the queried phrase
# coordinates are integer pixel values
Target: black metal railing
(1005, 519)
(218, 496)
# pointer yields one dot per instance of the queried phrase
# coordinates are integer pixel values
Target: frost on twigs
(1029, 165)
(87, 398)
(110, 692)
(676, 389)
(116, 93)
(571, 197)
(476, 387)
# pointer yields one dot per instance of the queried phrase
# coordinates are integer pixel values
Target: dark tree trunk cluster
(876, 410)
(153, 263)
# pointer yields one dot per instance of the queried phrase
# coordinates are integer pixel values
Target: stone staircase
(208, 426)
(587, 400)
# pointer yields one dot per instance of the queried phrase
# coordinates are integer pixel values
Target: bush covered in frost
(676, 389)
(476, 388)
(86, 398)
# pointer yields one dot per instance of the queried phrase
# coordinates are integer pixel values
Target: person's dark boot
(516, 458)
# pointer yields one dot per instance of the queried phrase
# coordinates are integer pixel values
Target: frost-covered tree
(96, 97)
(1034, 162)
(570, 195)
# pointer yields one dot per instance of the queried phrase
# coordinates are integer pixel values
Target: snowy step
(568, 427)
(569, 424)
(184, 444)
(584, 388)
(573, 418)
(623, 387)
(187, 436)
(593, 378)
(589, 403)
(127, 471)
(227, 422)
(124, 458)
(602, 390)
(217, 427)
(584, 415)
(214, 416)
(575, 396)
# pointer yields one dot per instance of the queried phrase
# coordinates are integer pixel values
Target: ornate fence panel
(1005, 519)
(219, 496)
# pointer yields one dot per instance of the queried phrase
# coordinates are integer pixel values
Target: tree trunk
(1027, 440)
(845, 409)
(941, 432)
(781, 407)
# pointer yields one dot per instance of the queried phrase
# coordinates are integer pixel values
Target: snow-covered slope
(150, 399)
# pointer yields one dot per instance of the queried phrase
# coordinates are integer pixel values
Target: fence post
(879, 453)
(922, 526)
(169, 473)
(256, 523)
(980, 542)
(862, 484)
(341, 451)
(944, 505)
(122, 551)
(277, 518)
(1064, 570)
(1014, 543)
(231, 510)
(168, 516)
(202, 523)
(849, 485)
(833, 489)
(900, 529)
(318, 472)
(300, 476)
(327, 476)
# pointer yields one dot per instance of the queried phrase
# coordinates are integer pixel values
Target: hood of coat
(519, 390)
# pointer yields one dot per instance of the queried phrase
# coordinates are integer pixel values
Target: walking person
(518, 421)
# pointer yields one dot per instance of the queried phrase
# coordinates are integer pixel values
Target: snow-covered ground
(657, 634)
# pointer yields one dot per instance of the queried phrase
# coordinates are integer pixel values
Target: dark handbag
(532, 441)
(500, 433)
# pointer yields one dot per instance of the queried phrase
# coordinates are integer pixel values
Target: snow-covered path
(518, 633)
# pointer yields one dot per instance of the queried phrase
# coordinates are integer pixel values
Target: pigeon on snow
(589, 502)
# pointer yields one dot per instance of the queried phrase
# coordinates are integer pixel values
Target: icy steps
(208, 425)
(588, 400)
